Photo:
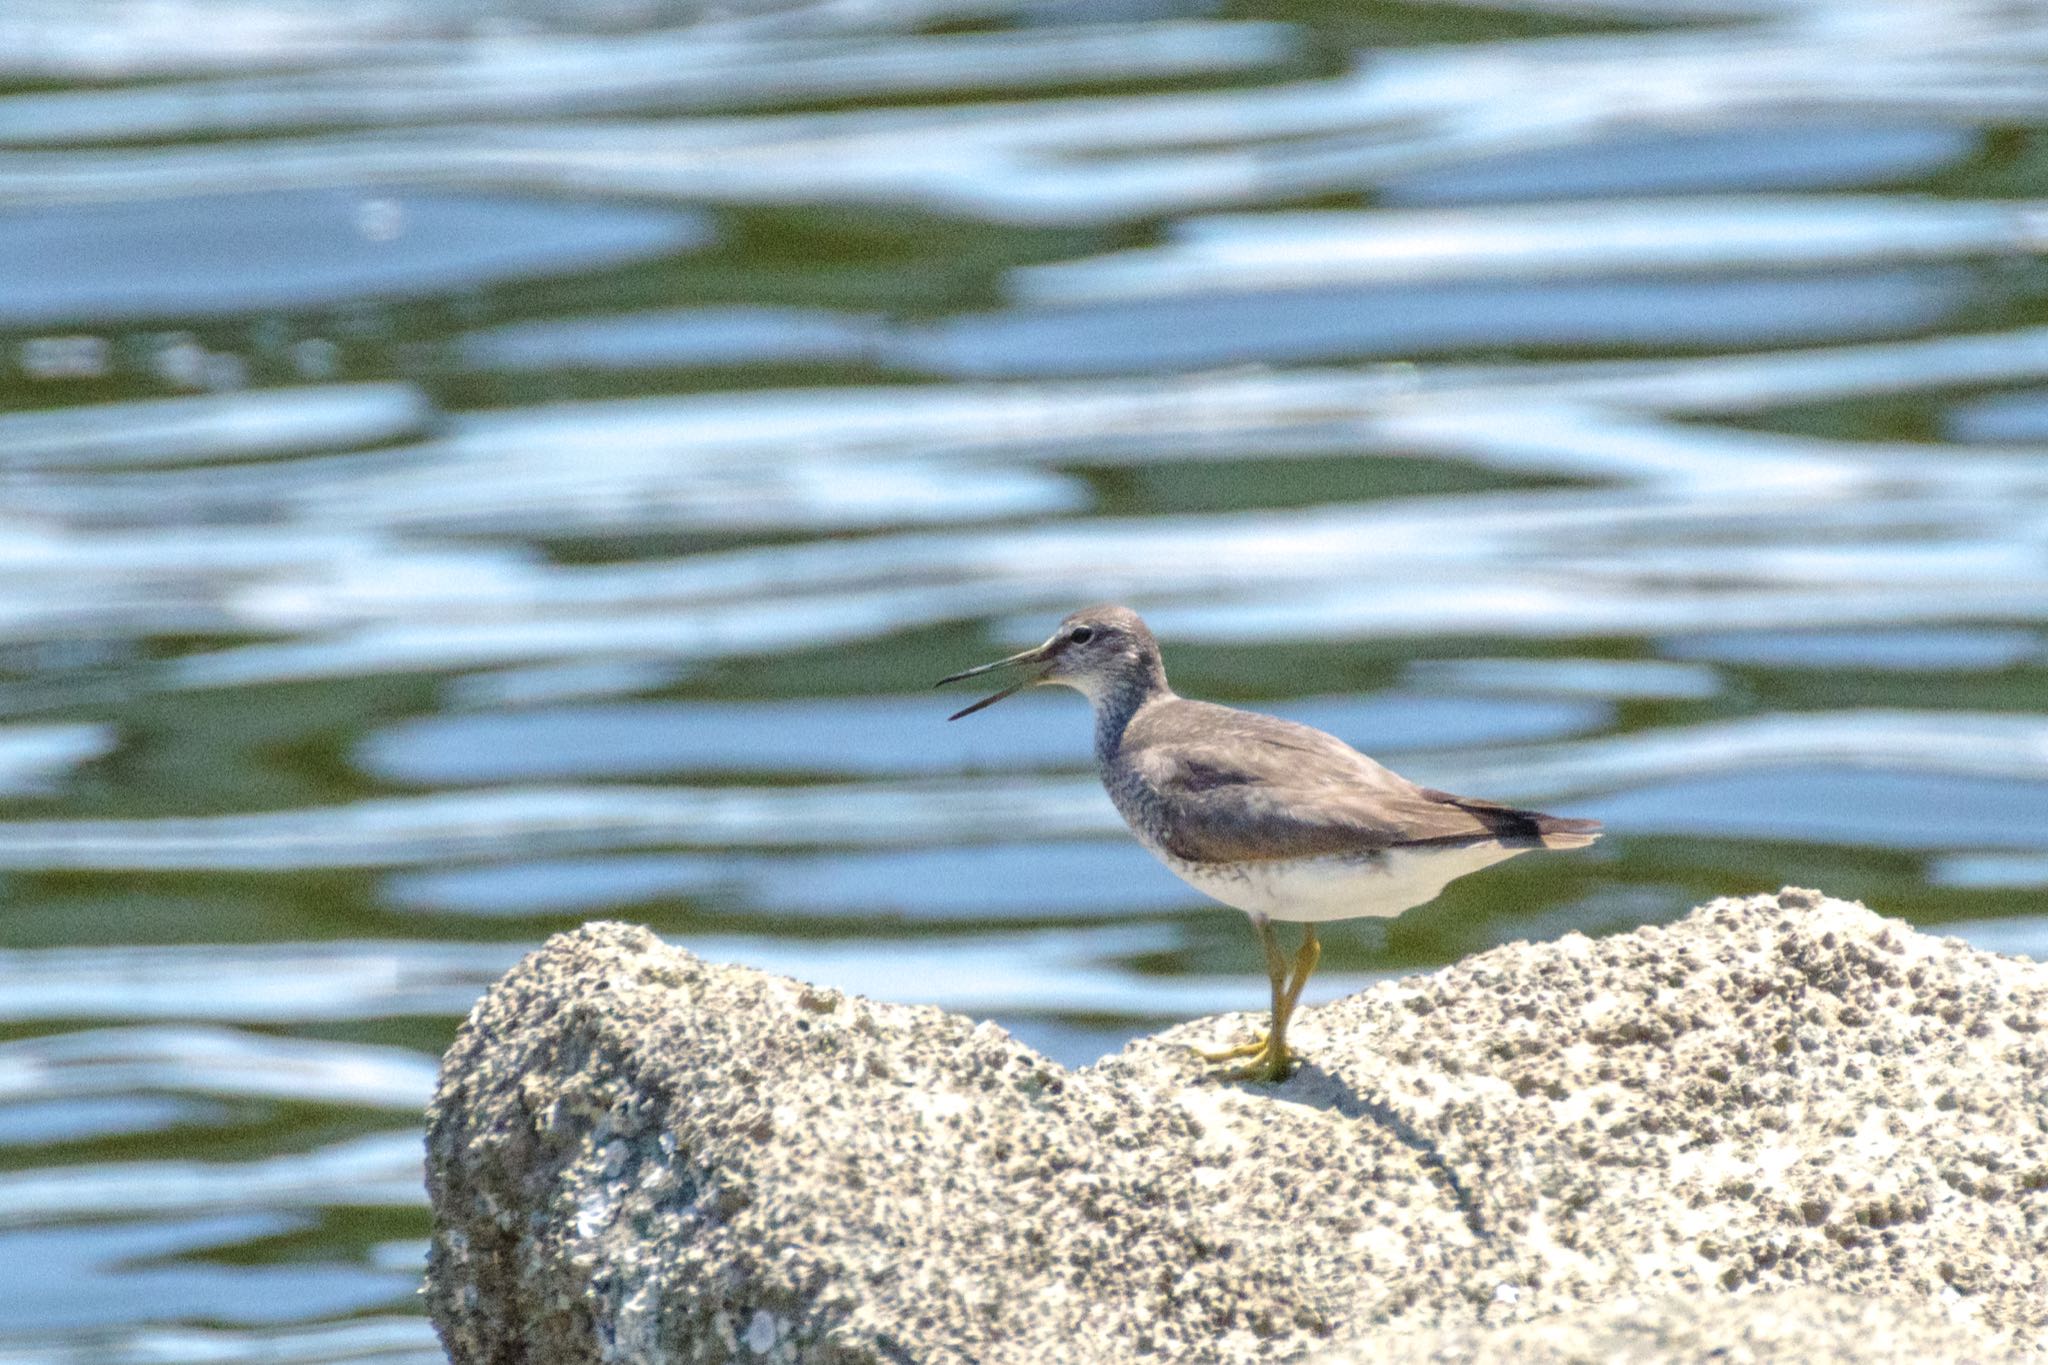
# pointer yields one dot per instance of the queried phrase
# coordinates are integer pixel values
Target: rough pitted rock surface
(1800, 1326)
(636, 1155)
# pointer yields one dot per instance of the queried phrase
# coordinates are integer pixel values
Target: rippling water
(474, 466)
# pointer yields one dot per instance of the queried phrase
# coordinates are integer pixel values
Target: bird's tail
(1557, 831)
(1518, 828)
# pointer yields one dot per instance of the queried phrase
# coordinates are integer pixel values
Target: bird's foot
(1231, 1054)
(1272, 1065)
(1269, 1063)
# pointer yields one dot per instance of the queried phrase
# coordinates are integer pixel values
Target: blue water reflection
(879, 736)
(80, 1277)
(224, 257)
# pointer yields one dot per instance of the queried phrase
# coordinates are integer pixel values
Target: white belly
(1313, 890)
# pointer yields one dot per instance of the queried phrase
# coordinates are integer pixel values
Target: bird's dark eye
(1080, 635)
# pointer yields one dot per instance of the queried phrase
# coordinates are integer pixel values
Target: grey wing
(1243, 787)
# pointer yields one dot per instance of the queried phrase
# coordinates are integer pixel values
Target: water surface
(468, 470)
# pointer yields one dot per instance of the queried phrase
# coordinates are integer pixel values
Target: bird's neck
(1120, 699)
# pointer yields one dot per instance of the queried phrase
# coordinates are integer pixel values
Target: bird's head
(1094, 651)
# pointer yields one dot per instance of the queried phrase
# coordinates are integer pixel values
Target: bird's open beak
(1032, 659)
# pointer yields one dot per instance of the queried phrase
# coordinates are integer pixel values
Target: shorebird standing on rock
(1276, 819)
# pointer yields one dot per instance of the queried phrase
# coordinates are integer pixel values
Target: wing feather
(1242, 787)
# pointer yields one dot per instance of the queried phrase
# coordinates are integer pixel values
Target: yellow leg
(1305, 959)
(1276, 973)
(1274, 1061)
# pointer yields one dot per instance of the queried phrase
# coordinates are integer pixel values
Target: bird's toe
(1231, 1054)
(1269, 1064)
